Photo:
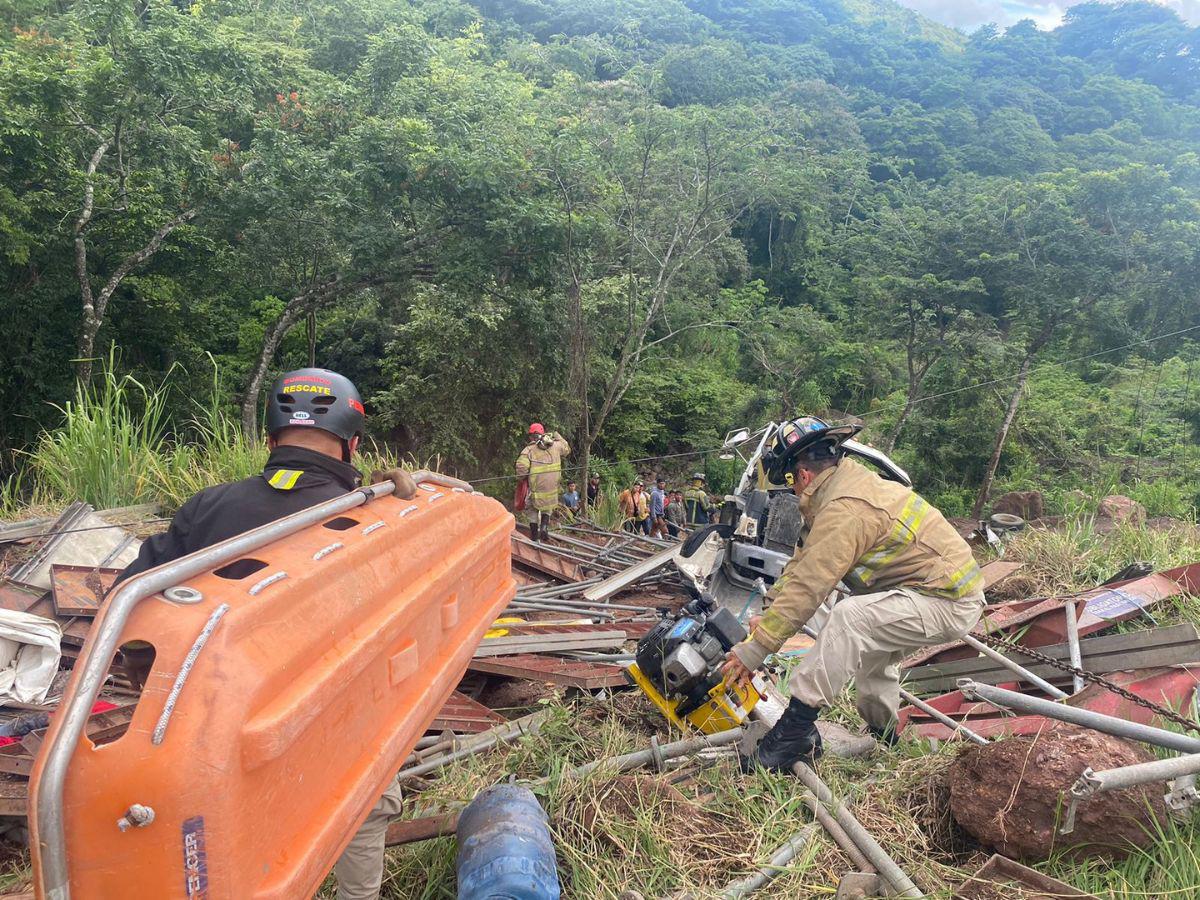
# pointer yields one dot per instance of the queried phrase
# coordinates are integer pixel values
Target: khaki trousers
(359, 869)
(866, 637)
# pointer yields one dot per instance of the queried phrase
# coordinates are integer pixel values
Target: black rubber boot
(545, 529)
(533, 531)
(886, 736)
(794, 738)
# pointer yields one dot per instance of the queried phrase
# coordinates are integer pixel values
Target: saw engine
(678, 666)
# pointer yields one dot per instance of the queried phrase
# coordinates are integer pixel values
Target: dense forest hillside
(641, 221)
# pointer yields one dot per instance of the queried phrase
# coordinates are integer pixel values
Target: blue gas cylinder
(504, 847)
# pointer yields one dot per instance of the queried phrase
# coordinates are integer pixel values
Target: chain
(1000, 643)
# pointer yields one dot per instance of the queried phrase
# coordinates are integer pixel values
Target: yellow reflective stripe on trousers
(904, 531)
(285, 479)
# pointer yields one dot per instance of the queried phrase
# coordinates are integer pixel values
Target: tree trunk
(890, 444)
(304, 303)
(94, 308)
(270, 346)
(578, 376)
(1009, 414)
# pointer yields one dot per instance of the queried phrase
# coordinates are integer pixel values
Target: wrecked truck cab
(760, 524)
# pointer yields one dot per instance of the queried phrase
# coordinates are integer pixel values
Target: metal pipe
(1016, 668)
(1147, 734)
(1072, 615)
(888, 870)
(501, 734)
(523, 607)
(614, 551)
(956, 726)
(551, 590)
(92, 665)
(837, 832)
(594, 604)
(788, 850)
(1090, 782)
(639, 758)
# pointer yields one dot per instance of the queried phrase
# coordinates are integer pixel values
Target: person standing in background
(541, 463)
(571, 498)
(658, 510)
(635, 508)
(676, 515)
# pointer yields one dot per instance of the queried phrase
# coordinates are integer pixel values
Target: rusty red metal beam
(1044, 622)
(79, 590)
(462, 715)
(544, 559)
(1172, 686)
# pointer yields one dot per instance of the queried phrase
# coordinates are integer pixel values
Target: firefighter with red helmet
(540, 461)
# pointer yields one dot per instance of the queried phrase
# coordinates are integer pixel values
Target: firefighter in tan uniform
(541, 462)
(913, 581)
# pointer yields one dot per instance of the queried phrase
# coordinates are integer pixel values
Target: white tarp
(30, 649)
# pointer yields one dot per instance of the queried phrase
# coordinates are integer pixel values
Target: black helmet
(805, 438)
(316, 398)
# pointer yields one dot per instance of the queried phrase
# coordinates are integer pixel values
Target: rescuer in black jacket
(226, 510)
(314, 423)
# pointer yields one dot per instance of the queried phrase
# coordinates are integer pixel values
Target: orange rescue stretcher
(295, 668)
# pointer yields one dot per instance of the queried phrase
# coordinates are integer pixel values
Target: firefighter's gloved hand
(406, 488)
(735, 671)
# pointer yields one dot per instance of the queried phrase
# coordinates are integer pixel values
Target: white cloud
(970, 14)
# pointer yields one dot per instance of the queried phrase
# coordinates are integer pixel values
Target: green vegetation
(643, 221)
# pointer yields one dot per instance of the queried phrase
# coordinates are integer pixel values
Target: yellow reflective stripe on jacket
(542, 468)
(903, 533)
(967, 580)
(285, 479)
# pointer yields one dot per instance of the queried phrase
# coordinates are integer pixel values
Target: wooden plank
(997, 570)
(80, 590)
(556, 670)
(19, 531)
(409, 831)
(15, 760)
(14, 796)
(1147, 649)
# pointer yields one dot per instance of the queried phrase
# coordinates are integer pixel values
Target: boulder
(1011, 795)
(1121, 509)
(1028, 505)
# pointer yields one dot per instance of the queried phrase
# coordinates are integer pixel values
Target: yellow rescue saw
(678, 666)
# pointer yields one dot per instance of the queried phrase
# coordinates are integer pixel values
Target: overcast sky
(970, 14)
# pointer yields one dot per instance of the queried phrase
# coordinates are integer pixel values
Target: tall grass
(1078, 555)
(108, 448)
(116, 445)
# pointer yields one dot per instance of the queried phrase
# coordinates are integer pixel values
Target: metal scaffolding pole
(1147, 734)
